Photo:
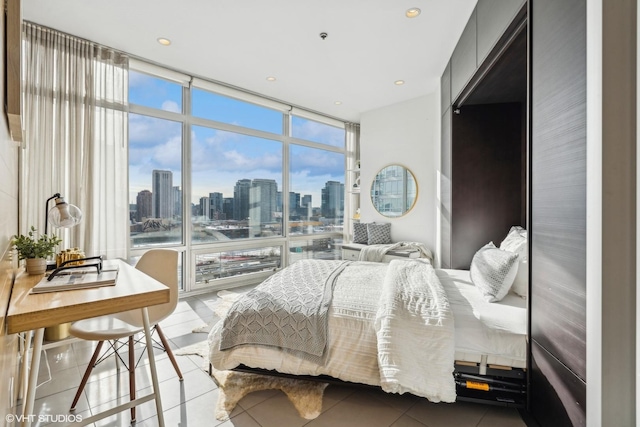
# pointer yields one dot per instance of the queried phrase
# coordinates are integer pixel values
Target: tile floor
(191, 402)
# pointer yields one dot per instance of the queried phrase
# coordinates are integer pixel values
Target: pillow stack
(494, 271)
(372, 233)
(516, 241)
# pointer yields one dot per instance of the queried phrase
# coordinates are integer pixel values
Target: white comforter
(354, 342)
(414, 327)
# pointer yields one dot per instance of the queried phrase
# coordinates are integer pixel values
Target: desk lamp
(62, 215)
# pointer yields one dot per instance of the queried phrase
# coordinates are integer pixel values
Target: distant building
(177, 201)
(332, 200)
(262, 200)
(305, 206)
(227, 207)
(294, 203)
(216, 202)
(162, 186)
(241, 199)
(205, 206)
(144, 208)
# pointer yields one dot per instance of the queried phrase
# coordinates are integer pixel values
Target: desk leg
(152, 365)
(33, 376)
(24, 366)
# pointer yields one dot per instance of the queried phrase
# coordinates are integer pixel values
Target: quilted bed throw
(414, 327)
(287, 310)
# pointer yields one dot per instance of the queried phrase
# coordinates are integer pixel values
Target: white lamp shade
(64, 215)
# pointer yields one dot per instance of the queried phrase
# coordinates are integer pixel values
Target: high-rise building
(205, 206)
(294, 201)
(162, 185)
(144, 210)
(262, 200)
(241, 199)
(177, 201)
(333, 200)
(227, 207)
(215, 206)
(305, 206)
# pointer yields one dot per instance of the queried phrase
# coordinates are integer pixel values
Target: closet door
(558, 212)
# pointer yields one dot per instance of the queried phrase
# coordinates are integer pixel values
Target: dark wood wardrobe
(513, 152)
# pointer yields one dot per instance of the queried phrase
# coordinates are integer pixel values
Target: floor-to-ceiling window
(239, 184)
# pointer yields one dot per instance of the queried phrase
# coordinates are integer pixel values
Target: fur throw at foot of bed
(306, 396)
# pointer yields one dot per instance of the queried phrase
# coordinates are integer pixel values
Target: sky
(220, 158)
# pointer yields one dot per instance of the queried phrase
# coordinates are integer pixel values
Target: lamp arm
(46, 211)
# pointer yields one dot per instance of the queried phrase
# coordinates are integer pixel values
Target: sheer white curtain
(352, 145)
(76, 132)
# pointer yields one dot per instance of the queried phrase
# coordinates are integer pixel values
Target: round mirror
(394, 191)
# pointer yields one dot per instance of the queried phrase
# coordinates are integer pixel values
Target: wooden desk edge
(19, 320)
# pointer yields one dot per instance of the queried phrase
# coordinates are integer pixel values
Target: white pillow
(492, 271)
(516, 241)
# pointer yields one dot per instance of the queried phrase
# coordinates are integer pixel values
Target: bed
(445, 343)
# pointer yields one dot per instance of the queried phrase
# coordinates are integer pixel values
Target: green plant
(32, 246)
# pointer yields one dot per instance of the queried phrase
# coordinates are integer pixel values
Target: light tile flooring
(192, 402)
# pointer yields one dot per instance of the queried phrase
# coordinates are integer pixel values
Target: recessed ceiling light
(338, 102)
(412, 13)
(271, 79)
(399, 82)
(163, 41)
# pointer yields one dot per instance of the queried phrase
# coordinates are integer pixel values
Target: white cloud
(171, 106)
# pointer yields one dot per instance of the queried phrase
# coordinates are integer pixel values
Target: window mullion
(188, 269)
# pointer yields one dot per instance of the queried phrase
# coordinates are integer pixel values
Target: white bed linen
(352, 343)
(352, 349)
(496, 330)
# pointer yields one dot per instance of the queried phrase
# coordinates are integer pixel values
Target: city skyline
(219, 158)
(255, 199)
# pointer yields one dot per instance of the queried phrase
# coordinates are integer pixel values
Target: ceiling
(370, 44)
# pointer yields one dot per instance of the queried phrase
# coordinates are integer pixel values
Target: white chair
(162, 265)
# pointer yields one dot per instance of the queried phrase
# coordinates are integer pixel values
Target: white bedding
(495, 330)
(352, 349)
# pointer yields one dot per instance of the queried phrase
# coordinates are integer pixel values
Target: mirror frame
(373, 195)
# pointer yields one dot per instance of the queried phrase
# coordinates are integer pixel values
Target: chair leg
(132, 377)
(87, 372)
(165, 344)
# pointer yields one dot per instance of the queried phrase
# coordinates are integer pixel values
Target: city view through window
(236, 173)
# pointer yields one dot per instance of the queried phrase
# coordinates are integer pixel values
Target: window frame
(190, 251)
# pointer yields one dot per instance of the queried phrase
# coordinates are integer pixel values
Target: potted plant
(35, 250)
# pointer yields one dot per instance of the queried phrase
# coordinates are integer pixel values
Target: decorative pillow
(378, 234)
(516, 241)
(360, 234)
(493, 271)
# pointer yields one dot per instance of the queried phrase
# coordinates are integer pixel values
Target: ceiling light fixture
(412, 13)
(271, 79)
(338, 102)
(163, 41)
(399, 82)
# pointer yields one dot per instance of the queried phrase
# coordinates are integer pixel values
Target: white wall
(408, 134)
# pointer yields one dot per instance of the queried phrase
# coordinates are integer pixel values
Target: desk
(34, 312)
